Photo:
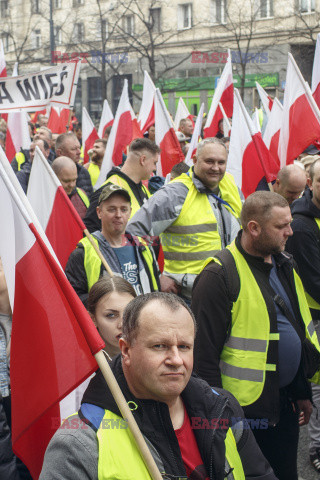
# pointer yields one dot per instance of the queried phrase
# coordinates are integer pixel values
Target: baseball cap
(111, 189)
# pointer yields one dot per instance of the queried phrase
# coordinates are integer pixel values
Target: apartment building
(182, 44)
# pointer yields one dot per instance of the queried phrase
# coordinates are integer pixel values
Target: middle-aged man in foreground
(256, 337)
(195, 216)
(186, 423)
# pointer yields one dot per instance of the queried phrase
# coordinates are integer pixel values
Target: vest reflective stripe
(120, 459)
(94, 172)
(92, 264)
(83, 197)
(311, 302)
(244, 356)
(185, 257)
(20, 158)
(124, 184)
(210, 227)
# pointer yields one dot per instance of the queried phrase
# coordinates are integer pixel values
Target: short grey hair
(209, 141)
(131, 314)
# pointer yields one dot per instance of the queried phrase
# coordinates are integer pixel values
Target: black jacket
(91, 220)
(23, 175)
(201, 402)
(211, 306)
(84, 179)
(304, 245)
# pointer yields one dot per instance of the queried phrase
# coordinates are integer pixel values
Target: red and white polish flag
(266, 100)
(50, 329)
(106, 119)
(249, 160)
(315, 83)
(223, 94)
(124, 129)
(89, 134)
(17, 134)
(272, 131)
(146, 114)
(195, 138)
(300, 121)
(57, 216)
(54, 120)
(182, 112)
(166, 138)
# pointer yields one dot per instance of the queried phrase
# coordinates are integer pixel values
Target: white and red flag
(166, 138)
(17, 134)
(106, 119)
(226, 123)
(146, 114)
(195, 138)
(89, 134)
(272, 131)
(182, 112)
(266, 100)
(54, 120)
(223, 94)
(51, 329)
(57, 216)
(315, 84)
(124, 129)
(249, 160)
(300, 121)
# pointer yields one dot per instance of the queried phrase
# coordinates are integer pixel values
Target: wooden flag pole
(97, 250)
(127, 415)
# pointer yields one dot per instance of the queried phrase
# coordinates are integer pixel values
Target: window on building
(36, 39)
(102, 29)
(56, 3)
(57, 35)
(78, 33)
(266, 9)
(35, 6)
(184, 16)
(77, 3)
(155, 19)
(307, 6)
(128, 24)
(4, 8)
(6, 41)
(218, 9)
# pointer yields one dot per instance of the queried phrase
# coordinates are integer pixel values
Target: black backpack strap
(230, 273)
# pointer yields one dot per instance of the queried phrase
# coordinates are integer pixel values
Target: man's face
(292, 189)
(315, 185)
(44, 135)
(187, 129)
(149, 162)
(211, 164)
(70, 148)
(114, 214)
(152, 133)
(68, 178)
(32, 150)
(98, 151)
(158, 363)
(274, 234)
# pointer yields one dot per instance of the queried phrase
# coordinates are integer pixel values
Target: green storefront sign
(210, 83)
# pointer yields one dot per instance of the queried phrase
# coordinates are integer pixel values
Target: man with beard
(97, 155)
(256, 337)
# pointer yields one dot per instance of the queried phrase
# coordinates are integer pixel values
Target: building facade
(182, 44)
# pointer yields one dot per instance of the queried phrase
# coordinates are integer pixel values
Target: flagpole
(226, 119)
(97, 250)
(127, 415)
(306, 87)
(245, 113)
